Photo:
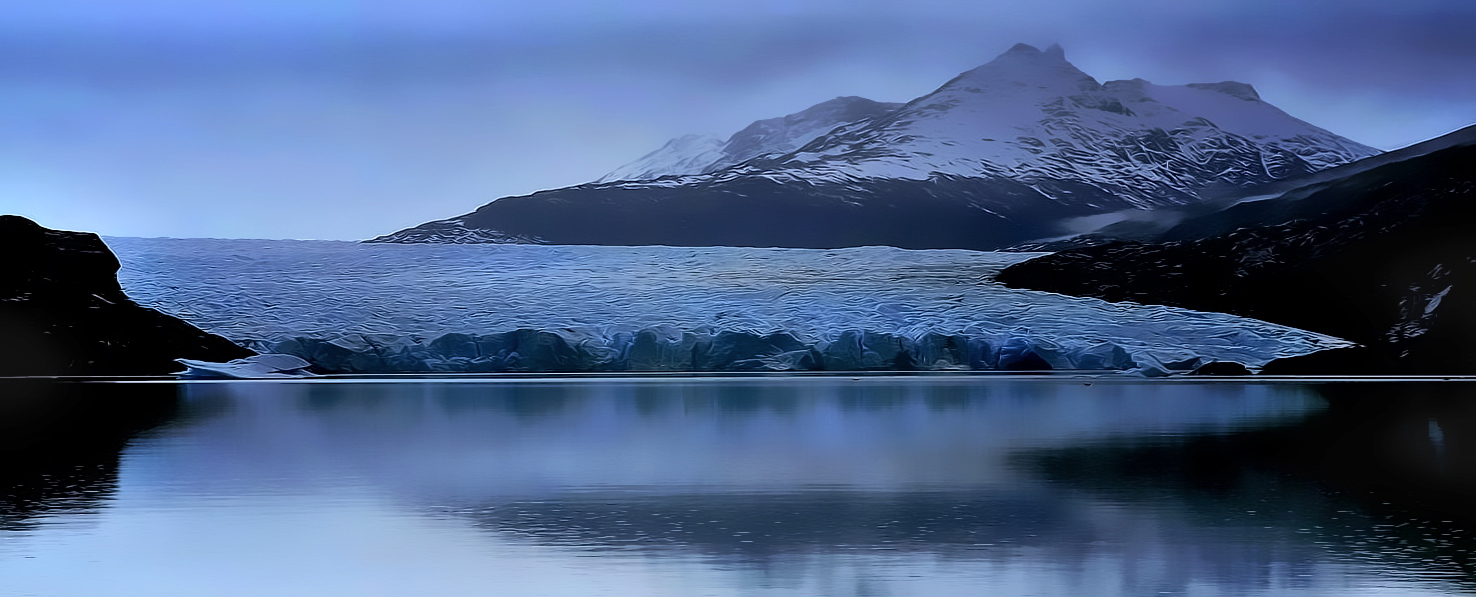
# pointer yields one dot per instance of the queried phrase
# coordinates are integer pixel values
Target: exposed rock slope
(1385, 257)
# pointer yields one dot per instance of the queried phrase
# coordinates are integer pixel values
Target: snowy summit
(1000, 154)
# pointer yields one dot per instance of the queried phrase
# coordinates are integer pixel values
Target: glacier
(479, 308)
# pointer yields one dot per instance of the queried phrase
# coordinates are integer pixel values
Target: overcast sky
(344, 119)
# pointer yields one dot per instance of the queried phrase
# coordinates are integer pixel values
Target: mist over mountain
(1015, 150)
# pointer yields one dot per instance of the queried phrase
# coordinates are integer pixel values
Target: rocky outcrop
(62, 312)
(1385, 258)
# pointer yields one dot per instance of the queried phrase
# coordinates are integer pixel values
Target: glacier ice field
(378, 308)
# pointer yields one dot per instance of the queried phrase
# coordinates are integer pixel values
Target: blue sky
(344, 119)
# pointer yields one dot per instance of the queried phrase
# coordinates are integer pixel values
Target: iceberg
(262, 366)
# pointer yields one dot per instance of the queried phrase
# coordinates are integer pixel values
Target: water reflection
(804, 486)
(1415, 440)
(533, 439)
(1369, 480)
(1386, 475)
(60, 443)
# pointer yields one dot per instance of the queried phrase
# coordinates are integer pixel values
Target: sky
(347, 119)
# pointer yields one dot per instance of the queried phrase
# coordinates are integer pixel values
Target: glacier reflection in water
(459, 308)
(933, 486)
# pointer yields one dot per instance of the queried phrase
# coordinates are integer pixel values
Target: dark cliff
(62, 312)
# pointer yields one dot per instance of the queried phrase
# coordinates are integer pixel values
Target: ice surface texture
(364, 308)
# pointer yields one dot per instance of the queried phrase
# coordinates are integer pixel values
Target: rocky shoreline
(62, 312)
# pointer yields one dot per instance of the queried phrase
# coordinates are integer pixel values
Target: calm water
(931, 486)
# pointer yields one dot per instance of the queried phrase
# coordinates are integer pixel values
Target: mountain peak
(1024, 64)
(1051, 51)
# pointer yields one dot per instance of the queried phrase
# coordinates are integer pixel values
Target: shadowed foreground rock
(62, 312)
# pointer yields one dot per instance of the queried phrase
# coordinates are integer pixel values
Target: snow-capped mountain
(1001, 154)
(1031, 116)
(701, 154)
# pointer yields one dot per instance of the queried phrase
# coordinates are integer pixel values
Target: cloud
(275, 117)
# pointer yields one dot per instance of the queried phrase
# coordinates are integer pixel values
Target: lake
(934, 485)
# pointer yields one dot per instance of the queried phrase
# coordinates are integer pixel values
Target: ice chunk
(254, 367)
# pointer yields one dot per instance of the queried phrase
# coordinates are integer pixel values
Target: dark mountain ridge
(1384, 256)
(1273, 203)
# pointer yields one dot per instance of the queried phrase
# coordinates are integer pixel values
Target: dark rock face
(944, 212)
(1221, 368)
(1385, 257)
(62, 312)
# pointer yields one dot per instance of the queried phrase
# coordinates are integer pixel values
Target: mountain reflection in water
(805, 486)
